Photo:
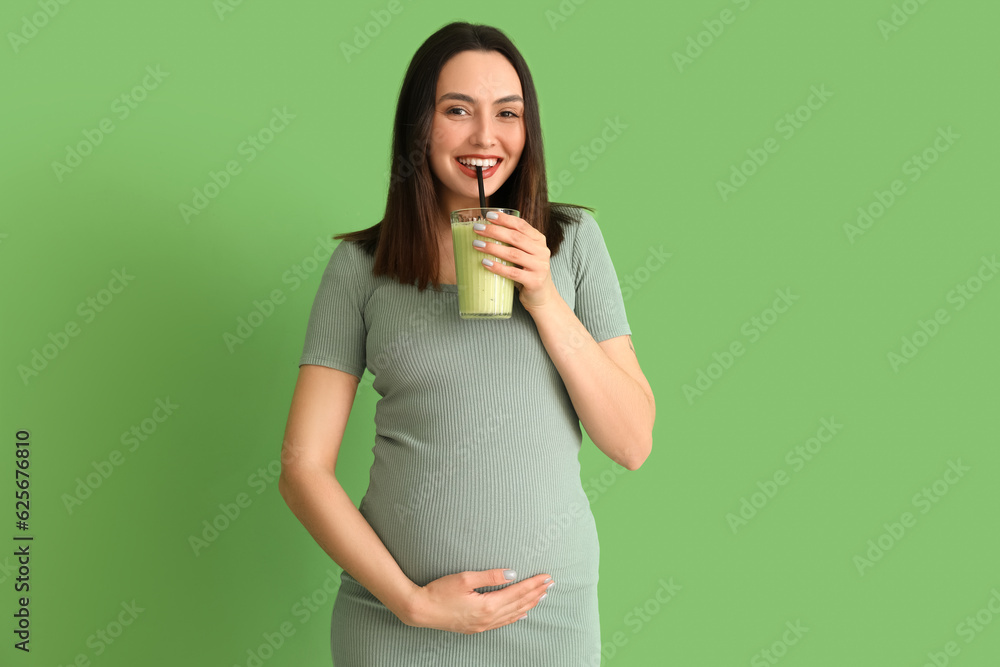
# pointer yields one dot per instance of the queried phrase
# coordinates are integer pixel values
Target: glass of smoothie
(482, 294)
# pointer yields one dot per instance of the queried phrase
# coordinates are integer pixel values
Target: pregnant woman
(474, 510)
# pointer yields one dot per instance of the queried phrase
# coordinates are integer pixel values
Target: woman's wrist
(409, 606)
(538, 303)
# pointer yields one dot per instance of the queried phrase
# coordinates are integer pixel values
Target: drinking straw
(482, 193)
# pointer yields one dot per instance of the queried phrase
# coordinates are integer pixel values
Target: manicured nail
(550, 585)
(509, 574)
(547, 580)
(479, 244)
(487, 262)
(492, 215)
(479, 226)
(522, 617)
(543, 597)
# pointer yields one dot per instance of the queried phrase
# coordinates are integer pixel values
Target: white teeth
(477, 162)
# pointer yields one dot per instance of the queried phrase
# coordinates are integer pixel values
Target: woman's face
(478, 112)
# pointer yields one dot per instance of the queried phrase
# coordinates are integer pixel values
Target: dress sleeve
(599, 303)
(336, 333)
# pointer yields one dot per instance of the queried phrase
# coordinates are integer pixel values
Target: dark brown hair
(404, 242)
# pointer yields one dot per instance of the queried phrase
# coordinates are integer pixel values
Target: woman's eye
(459, 111)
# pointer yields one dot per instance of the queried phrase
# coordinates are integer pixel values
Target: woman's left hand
(529, 253)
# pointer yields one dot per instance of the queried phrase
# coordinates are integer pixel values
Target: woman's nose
(483, 133)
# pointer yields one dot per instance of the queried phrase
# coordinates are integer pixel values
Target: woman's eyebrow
(466, 98)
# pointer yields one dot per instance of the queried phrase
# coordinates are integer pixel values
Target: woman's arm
(608, 389)
(316, 422)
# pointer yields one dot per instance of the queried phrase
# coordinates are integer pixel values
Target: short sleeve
(599, 303)
(336, 332)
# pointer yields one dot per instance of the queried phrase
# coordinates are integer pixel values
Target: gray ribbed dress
(476, 456)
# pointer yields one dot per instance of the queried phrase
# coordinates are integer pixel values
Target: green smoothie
(482, 295)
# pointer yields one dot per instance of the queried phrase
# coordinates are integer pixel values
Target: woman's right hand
(452, 603)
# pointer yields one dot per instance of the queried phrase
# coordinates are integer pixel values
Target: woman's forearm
(318, 500)
(613, 407)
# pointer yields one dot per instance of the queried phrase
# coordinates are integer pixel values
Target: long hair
(404, 242)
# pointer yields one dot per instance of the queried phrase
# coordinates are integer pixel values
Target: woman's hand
(528, 251)
(452, 603)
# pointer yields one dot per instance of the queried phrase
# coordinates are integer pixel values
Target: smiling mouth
(470, 170)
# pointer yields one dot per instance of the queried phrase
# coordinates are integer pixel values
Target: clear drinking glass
(482, 295)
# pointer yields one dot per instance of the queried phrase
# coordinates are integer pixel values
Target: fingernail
(543, 597)
(487, 262)
(547, 580)
(550, 585)
(509, 574)
(492, 215)
(479, 244)
(479, 226)
(522, 617)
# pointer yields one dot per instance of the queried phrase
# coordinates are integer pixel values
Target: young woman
(474, 510)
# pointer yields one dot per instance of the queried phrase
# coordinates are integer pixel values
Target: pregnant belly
(448, 515)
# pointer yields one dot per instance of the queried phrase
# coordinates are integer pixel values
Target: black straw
(482, 193)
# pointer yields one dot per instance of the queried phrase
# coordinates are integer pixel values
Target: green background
(686, 127)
